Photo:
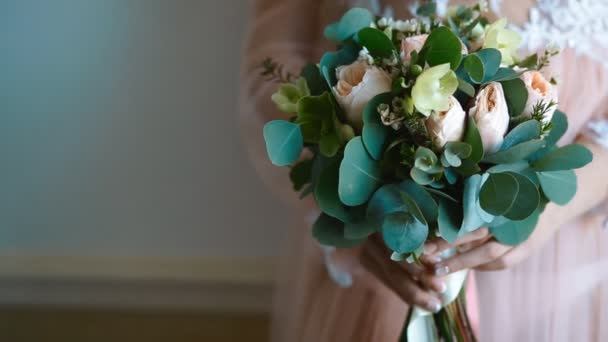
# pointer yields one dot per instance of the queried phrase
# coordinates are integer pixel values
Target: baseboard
(140, 282)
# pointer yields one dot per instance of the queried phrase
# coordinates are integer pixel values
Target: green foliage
(454, 152)
(403, 233)
(326, 193)
(350, 23)
(512, 233)
(442, 46)
(314, 79)
(527, 199)
(426, 168)
(330, 144)
(482, 65)
(376, 42)
(465, 87)
(515, 153)
(428, 9)
(471, 218)
(359, 174)
(559, 126)
(284, 142)
(504, 74)
(329, 231)
(384, 201)
(528, 130)
(510, 195)
(423, 199)
(331, 60)
(572, 156)
(374, 132)
(449, 220)
(558, 186)
(315, 115)
(360, 229)
(516, 95)
(473, 138)
(301, 174)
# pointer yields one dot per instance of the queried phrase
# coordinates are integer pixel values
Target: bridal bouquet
(421, 129)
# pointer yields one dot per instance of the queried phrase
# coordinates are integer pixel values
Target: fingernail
(434, 306)
(441, 271)
(433, 259)
(443, 288)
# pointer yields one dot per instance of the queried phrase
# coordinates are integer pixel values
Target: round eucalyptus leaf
(423, 199)
(504, 74)
(350, 23)
(475, 68)
(559, 126)
(442, 46)
(329, 231)
(384, 201)
(491, 62)
(471, 218)
(421, 177)
(284, 142)
(473, 138)
(412, 207)
(374, 132)
(559, 186)
(449, 220)
(331, 60)
(498, 193)
(360, 175)
(402, 233)
(513, 233)
(526, 201)
(360, 229)
(572, 156)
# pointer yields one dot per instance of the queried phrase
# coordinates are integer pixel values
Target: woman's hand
(414, 284)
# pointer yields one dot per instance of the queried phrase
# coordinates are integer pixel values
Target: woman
(553, 287)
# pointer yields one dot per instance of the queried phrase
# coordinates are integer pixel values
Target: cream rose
(447, 126)
(357, 84)
(491, 116)
(415, 43)
(539, 90)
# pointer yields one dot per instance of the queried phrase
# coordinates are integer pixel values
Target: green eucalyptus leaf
(515, 153)
(441, 195)
(427, 9)
(498, 193)
(360, 175)
(468, 168)
(442, 46)
(482, 65)
(360, 229)
(475, 68)
(473, 138)
(331, 60)
(326, 193)
(466, 87)
(449, 220)
(526, 201)
(426, 160)
(423, 199)
(454, 152)
(284, 142)
(572, 156)
(528, 130)
(314, 112)
(421, 177)
(504, 74)
(559, 186)
(471, 218)
(350, 23)
(376, 42)
(516, 95)
(374, 132)
(384, 201)
(412, 207)
(513, 233)
(301, 174)
(559, 126)
(329, 231)
(402, 233)
(516, 167)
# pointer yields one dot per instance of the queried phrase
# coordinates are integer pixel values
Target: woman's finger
(411, 292)
(483, 254)
(438, 245)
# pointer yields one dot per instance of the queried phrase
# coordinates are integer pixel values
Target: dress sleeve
(287, 31)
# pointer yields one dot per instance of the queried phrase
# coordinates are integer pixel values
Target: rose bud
(357, 84)
(447, 126)
(491, 116)
(539, 90)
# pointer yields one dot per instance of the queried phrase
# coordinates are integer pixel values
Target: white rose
(539, 90)
(491, 116)
(447, 126)
(357, 84)
(415, 43)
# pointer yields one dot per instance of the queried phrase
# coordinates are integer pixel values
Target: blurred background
(128, 208)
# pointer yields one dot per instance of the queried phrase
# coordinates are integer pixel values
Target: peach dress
(560, 293)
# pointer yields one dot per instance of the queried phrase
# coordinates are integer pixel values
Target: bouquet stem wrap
(449, 324)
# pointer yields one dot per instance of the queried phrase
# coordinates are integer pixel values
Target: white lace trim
(581, 25)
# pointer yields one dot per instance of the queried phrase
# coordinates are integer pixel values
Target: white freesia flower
(491, 116)
(433, 89)
(506, 41)
(447, 126)
(539, 90)
(357, 84)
